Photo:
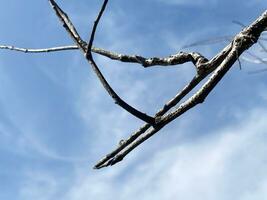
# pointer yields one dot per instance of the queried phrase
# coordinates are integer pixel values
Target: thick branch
(244, 40)
(220, 64)
(208, 68)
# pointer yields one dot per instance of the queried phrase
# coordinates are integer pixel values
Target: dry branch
(67, 24)
(219, 65)
(46, 50)
(175, 59)
(241, 42)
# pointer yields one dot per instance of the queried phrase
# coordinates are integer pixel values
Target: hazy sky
(56, 120)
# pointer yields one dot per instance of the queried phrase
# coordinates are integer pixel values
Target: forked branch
(218, 66)
(221, 63)
(241, 42)
(67, 24)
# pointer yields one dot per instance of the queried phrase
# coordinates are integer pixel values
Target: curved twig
(67, 24)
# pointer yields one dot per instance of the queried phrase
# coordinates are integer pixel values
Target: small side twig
(46, 50)
(92, 36)
(175, 59)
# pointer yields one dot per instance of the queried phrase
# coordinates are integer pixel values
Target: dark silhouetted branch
(70, 28)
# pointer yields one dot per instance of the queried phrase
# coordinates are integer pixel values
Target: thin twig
(175, 59)
(46, 50)
(67, 24)
(92, 36)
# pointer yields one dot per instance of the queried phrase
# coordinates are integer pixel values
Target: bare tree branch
(242, 41)
(67, 24)
(175, 59)
(46, 50)
(219, 65)
(180, 58)
(209, 65)
(92, 36)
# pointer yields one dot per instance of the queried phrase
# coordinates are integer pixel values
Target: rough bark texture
(218, 66)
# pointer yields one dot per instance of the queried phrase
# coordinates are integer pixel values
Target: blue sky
(56, 120)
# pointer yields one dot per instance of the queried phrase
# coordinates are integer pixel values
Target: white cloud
(225, 165)
(229, 164)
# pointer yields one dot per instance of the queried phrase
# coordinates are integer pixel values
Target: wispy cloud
(229, 164)
(56, 122)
